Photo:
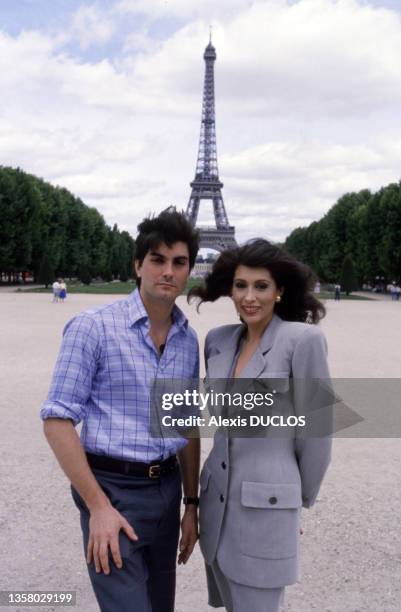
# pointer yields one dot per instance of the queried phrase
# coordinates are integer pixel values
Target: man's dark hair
(170, 226)
(296, 279)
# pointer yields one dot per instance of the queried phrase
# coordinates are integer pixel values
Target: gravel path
(351, 549)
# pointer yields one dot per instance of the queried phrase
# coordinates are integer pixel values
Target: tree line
(48, 232)
(360, 235)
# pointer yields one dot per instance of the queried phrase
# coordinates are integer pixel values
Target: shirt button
(223, 465)
(273, 500)
(221, 498)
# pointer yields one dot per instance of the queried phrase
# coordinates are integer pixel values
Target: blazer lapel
(257, 363)
(219, 365)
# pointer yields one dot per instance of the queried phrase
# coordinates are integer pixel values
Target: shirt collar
(137, 311)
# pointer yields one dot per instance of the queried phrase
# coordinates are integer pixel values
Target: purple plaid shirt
(104, 373)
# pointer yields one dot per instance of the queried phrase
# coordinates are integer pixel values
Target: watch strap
(194, 501)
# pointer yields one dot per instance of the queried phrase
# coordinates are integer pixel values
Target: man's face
(164, 272)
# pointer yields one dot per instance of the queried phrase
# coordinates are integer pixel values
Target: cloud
(91, 26)
(291, 182)
(140, 42)
(312, 57)
(183, 9)
(308, 99)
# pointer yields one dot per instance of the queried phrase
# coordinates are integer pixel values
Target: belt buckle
(154, 471)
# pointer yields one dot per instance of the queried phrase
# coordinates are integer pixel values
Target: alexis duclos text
(246, 401)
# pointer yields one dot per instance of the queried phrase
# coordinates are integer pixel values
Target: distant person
(393, 291)
(63, 290)
(317, 287)
(397, 292)
(56, 290)
(126, 483)
(337, 292)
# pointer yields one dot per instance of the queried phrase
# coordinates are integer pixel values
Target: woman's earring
(278, 298)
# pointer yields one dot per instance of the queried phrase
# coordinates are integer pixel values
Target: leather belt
(152, 470)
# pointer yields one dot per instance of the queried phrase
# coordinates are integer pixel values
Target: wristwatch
(194, 501)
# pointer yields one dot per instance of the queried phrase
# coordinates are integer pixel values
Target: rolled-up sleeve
(74, 371)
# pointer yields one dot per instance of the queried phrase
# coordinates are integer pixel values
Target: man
(125, 482)
(337, 292)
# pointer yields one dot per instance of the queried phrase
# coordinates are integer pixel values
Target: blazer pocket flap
(204, 478)
(268, 495)
(279, 382)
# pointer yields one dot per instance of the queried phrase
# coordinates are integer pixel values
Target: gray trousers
(146, 582)
(239, 597)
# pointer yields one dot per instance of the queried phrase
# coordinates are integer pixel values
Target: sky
(104, 98)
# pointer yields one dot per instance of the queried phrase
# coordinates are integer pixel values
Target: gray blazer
(259, 484)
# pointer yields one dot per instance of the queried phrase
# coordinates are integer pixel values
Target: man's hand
(105, 521)
(104, 528)
(189, 533)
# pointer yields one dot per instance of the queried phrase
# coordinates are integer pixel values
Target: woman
(62, 290)
(252, 488)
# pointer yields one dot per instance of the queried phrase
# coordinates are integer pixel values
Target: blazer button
(223, 465)
(221, 498)
(273, 500)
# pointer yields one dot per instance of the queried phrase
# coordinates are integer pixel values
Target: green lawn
(125, 288)
(329, 295)
(112, 288)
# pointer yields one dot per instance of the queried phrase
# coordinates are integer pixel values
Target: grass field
(116, 287)
(329, 295)
(119, 288)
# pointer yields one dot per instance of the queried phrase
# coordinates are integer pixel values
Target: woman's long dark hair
(293, 277)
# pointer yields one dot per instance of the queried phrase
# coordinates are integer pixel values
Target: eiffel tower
(206, 184)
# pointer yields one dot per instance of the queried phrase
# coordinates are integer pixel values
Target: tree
(84, 274)
(348, 277)
(38, 219)
(365, 226)
(46, 272)
(8, 221)
(390, 244)
(106, 273)
(123, 276)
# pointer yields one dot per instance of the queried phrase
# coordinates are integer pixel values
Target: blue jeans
(146, 582)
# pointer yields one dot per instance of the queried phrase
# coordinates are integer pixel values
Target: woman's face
(254, 294)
